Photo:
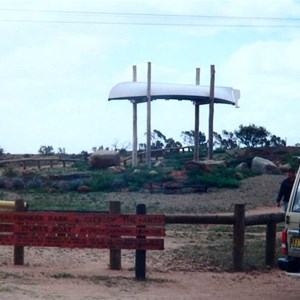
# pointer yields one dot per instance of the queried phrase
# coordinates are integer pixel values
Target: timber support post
(140, 255)
(19, 250)
(238, 237)
(270, 244)
(115, 254)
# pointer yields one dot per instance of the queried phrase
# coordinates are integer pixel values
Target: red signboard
(80, 242)
(88, 218)
(82, 230)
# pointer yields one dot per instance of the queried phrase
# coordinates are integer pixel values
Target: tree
(160, 141)
(252, 136)
(46, 150)
(276, 141)
(61, 150)
(189, 137)
(171, 143)
(227, 141)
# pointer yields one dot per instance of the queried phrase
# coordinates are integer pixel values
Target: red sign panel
(81, 242)
(88, 218)
(82, 230)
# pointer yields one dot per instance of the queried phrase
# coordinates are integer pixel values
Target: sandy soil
(52, 273)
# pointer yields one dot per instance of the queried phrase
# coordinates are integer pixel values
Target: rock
(205, 165)
(116, 169)
(158, 164)
(27, 173)
(136, 171)
(264, 166)
(153, 173)
(242, 166)
(104, 159)
(240, 175)
(83, 189)
(284, 168)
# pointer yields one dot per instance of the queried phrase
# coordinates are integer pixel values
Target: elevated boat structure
(200, 94)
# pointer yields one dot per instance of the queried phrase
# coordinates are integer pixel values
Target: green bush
(10, 171)
(218, 178)
(102, 182)
(2, 183)
(18, 183)
(35, 183)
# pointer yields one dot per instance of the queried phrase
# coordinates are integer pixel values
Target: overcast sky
(60, 59)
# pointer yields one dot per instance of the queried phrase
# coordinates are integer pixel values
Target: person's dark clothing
(285, 190)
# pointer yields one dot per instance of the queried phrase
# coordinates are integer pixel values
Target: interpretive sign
(82, 230)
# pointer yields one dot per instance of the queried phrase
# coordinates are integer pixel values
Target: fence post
(140, 255)
(19, 250)
(238, 237)
(270, 244)
(115, 254)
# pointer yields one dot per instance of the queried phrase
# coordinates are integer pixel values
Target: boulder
(153, 173)
(116, 169)
(104, 159)
(284, 168)
(27, 173)
(136, 171)
(83, 189)
(264, 166)
(205, 165)
(242, 166)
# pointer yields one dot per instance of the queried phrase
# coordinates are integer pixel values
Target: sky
(60, 59)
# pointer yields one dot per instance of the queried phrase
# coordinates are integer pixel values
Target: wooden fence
(239, 221)
(157, 153)
(24, 162)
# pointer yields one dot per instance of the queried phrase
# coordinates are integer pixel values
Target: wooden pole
(134, 161)
(115, 254)
(140, 255)
(197, 118)
(19, 250)
(148, 156)
(211, 112)
(270, 244)
(239, 238)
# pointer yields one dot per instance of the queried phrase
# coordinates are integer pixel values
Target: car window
(296, 204)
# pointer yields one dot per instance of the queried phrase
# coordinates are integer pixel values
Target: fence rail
(157, 153)
(24, 162)
(239, 221)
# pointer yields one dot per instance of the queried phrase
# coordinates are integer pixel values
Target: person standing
(286, 188)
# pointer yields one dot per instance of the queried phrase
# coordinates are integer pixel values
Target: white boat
(201, 94)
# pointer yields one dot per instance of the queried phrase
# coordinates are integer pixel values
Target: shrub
(2, 183)
(35, 183)
(219, 178)
(102, 182)
(18, 183)
(10, 171)
(76, 183)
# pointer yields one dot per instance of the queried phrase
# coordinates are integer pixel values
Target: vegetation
(56, 189)
(46, 150)
(250, 136)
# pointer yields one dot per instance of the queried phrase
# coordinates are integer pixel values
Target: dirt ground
(53, 273)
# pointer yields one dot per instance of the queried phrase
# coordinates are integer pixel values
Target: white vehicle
(291, 234)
